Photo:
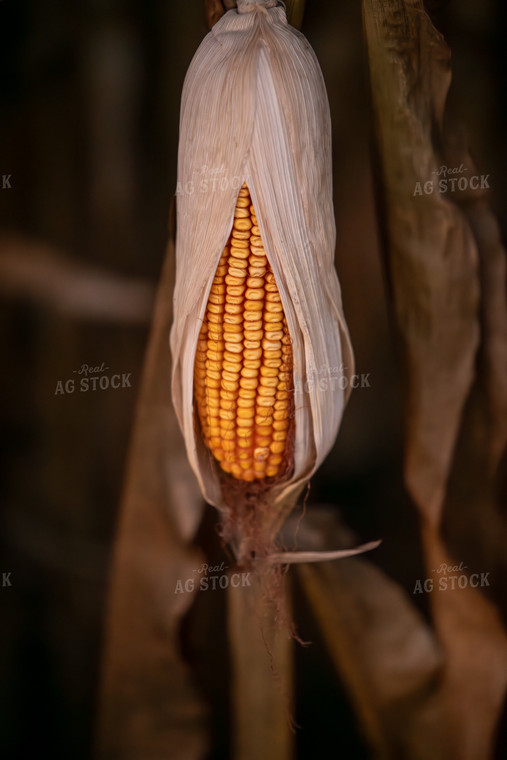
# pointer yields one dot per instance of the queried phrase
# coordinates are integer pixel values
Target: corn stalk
(215, 9)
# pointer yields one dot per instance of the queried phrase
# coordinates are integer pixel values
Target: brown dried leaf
(36, 271)
(434, 247)
(214, 11)
(149, 707)
(493, 306)
(475, 524)
(474, 681)
(432, 255)
(386, 655)
(494, 319)
(295, 11)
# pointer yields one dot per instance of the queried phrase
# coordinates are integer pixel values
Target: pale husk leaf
(255, 110)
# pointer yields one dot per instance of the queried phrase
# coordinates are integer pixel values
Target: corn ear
(243, 380)
(255, 117)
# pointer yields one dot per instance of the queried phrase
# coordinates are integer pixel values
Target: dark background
(88, 132)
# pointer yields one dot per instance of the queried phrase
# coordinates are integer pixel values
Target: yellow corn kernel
(243, 383)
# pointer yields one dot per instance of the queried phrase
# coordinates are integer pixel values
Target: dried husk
(255, 110)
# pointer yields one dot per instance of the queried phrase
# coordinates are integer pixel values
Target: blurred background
(89, 111)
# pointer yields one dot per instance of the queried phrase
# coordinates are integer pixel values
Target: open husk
(255, 111)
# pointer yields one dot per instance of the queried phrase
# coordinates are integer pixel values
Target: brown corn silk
(243, 382)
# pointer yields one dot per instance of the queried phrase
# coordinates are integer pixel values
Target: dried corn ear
(257, 304)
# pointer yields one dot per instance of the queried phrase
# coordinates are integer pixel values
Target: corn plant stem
(215, 9)
(261, 656)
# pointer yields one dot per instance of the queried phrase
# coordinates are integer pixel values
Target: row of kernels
(230, 366)
(211, 343)
(281, 415)
(254, 333)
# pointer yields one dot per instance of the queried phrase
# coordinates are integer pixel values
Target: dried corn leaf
(474, 680)
(295, 11)
(475, 524)
(492, 359)
(432, 255)
(149, 707)
(38, 272)
(435, 291)
(214, 11)
(386, 655)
